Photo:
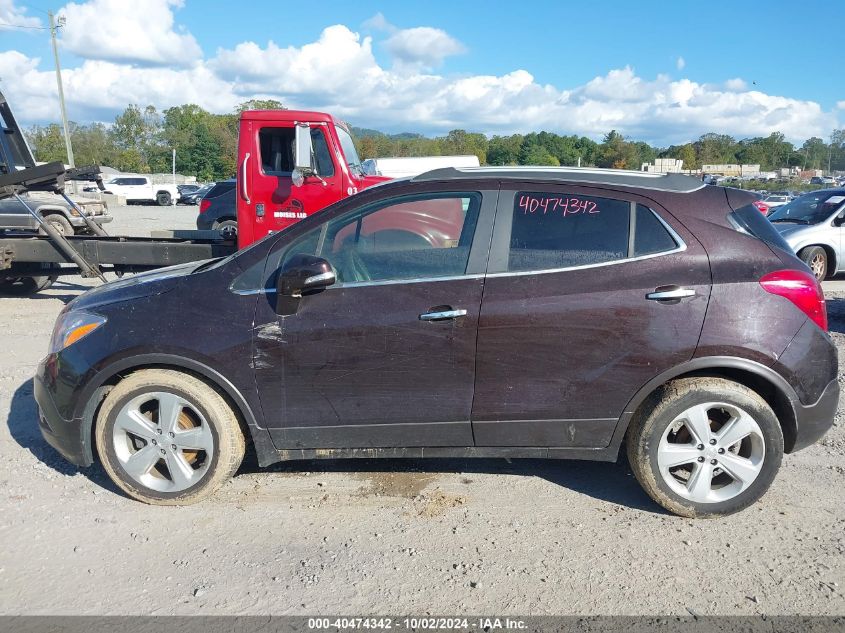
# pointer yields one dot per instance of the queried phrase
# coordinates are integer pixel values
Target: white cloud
(338, 73)
(840, 105)
(680, 63)
(736, 85)
(422, 47)
(12, 16)
(378, 23)
(128, 31)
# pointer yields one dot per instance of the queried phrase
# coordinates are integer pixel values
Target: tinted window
(276, 147)
(417, 237)
(650, 235)
(748, 219)
(220, 188)
(562, 230)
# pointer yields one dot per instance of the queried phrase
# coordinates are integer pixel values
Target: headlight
(72, 326)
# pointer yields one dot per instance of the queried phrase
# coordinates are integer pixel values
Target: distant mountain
(363, 132)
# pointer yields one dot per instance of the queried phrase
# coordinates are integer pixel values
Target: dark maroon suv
(551, 313)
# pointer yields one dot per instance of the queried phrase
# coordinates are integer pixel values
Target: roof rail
(645, 180)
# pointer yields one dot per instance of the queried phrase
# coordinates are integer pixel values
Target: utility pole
(53, 28)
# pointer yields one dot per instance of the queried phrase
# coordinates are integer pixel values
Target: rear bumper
(814, 420)
(66, 436)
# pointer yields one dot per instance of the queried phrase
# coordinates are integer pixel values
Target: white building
(664, 166)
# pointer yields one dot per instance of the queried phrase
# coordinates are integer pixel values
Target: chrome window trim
(682, 246)
(361, 284)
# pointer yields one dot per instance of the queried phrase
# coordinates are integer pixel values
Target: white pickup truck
(142, 189)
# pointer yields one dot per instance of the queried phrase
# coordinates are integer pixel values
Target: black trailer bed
(128, 254)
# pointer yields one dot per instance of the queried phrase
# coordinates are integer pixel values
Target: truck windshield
(349, 151)
(811, 208)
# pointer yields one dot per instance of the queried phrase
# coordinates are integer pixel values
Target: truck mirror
(304, 150)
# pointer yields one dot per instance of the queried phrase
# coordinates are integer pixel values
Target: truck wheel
(25, 286)
(163, 198)
(58, 222)
(705, 447)
(167, 438)
(816, 258)
(228, 229)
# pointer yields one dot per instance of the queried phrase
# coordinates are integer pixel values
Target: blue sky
(659, 71)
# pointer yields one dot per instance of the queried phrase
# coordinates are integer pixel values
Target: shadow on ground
(611, 482)
(836, 314)
(23, 427)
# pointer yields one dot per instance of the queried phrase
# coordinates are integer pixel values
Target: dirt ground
(403, 537)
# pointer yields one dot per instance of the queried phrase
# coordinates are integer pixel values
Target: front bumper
(71, 438)
(814, 420)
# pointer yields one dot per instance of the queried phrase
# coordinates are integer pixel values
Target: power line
(23, 26)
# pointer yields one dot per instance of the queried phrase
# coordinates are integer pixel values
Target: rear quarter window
(749, 220)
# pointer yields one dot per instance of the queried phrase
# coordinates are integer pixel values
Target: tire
(164, 199)
(58, 222)
(816, 258)
(227, 228)
(214, 435)
(25, 286)
(661, 433)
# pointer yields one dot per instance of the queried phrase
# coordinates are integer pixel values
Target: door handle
(244, 190)
(670, 293)
(442, 315)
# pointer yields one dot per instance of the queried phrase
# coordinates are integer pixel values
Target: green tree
(260, 104)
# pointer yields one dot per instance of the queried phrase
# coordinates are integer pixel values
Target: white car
(776, 201)
(142, 189)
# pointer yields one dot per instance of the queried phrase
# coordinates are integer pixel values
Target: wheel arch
(763, 380)
(101, 384)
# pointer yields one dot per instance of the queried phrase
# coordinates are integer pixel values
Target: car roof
(677, 183)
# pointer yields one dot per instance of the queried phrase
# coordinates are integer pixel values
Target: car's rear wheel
(58, 222)
(703, 447)
(168, 438)
(228, 229)
(164, 198)
(816, 258)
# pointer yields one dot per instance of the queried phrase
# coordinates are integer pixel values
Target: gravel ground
(412, 537)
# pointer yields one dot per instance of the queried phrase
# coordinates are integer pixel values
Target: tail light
(802, 289)
(761, 206)
(204, 204)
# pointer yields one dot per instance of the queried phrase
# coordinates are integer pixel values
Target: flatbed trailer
(30, 262)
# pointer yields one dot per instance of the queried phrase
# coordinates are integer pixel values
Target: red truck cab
(275, 187)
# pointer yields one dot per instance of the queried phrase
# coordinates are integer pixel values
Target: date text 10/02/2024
(556, 204)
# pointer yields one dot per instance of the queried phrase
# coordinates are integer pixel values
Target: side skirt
(609, 454)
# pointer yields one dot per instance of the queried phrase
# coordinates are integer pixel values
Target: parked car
(142, 189)
(195, 196)
(772, 201)
(185, 190)
(218, 209)
(813, 226)
(64, 218)
(616, 306)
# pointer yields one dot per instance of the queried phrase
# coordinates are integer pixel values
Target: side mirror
(303, 151)
(301, 274)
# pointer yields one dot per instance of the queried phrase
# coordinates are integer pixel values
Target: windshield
(811, 208)
(349, 150)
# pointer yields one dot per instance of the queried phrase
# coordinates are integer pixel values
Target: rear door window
(560, 230)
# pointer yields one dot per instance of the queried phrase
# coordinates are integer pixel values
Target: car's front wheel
(703, 447)
(168, 438)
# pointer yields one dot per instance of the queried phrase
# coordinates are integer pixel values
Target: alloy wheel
(711, 452)
(163, 442)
